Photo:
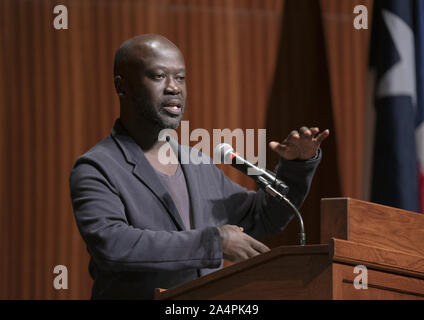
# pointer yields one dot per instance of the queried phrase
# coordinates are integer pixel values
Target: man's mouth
(173, 108)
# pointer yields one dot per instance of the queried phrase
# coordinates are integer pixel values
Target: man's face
(158, 87)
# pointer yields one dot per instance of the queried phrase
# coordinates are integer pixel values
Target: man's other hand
(237, 245)
(300, 145)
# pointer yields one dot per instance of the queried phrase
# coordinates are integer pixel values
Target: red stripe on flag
(421, 189)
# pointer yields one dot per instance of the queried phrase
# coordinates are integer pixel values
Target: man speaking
(149, 224)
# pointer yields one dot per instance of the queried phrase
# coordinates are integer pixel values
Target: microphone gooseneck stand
(282, 198)
(264, 178)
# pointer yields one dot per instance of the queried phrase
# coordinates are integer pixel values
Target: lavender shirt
(177, 188)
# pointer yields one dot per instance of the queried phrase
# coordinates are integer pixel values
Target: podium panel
(381, 285)
(372, 224)
(292, 272)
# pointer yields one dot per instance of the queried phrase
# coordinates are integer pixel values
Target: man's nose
(172, 86)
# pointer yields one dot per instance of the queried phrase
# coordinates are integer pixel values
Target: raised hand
(300, 145)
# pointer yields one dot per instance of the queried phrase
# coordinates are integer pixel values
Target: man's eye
(159, 76)
(180, 78)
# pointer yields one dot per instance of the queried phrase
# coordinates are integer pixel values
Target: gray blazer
(133, 231)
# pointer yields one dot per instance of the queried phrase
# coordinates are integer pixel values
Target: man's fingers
(294, 135)
(236, 228)
(274, 145)
(322, 136)
(259, 246)
(314, 131)
(252, 251)
(305, 132)
(292, 138)
(277, 147)
(244, 255)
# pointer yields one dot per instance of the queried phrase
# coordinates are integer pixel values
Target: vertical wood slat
(25, 119)
(3, 148)
(38, 106)
(15, 166)
(50, 163)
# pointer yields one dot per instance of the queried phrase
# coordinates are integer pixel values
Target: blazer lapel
(145, 172)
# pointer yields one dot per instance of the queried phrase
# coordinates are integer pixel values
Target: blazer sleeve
(117, 246)
(259, 213)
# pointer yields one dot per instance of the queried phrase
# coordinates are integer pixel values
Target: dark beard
(158, 119)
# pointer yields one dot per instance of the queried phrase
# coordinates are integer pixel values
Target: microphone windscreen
(222, 153)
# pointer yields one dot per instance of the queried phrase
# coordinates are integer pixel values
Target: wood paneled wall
(57, 100)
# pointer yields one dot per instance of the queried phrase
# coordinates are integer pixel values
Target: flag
(397, 57)
(419, 134)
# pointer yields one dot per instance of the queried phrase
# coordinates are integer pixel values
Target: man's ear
(119, 86)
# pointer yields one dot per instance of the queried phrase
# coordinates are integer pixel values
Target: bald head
(139, 49)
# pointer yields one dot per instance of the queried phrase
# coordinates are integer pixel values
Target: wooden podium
(389, 242)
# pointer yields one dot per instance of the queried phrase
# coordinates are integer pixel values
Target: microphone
(263, 177)
(266, 179)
